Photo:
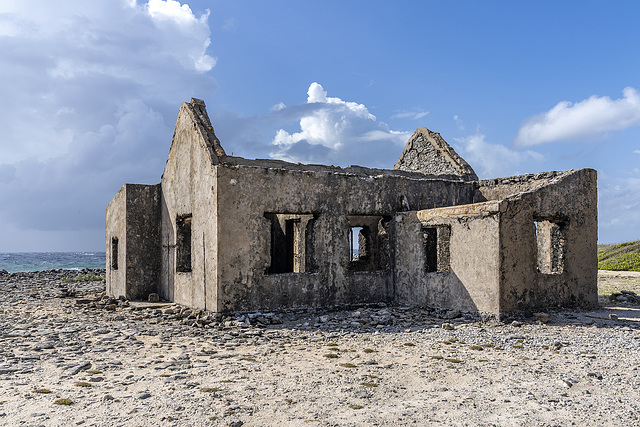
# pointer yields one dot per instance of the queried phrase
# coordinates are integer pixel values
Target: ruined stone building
(229, 234)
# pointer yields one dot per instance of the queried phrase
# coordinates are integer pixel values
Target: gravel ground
(144, 364)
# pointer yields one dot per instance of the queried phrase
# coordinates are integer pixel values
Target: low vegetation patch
(369, 384)
(63, 402)
(348, 365)
(619, 257)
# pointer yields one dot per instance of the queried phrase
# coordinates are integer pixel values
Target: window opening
(183, 244)
(358, 242)
(114, 253)
(291, 236)
(368, 243)
(550, 242)
(436, 248)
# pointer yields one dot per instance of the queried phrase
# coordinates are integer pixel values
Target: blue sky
(89, 94)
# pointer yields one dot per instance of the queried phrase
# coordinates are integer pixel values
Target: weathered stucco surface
(470, 283)
(226, 234)
(133, 220)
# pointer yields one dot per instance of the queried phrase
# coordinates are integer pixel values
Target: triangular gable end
(428, 153)
(197, 114)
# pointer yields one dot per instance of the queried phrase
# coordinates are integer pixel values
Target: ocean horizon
(15, 262)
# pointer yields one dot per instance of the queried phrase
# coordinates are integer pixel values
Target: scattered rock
(542, 317)
(453, 314)
(73, 370)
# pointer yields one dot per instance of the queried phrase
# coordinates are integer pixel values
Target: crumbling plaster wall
(133, 218)
(249, 189)
(189, 188)
(500, 188)
(143, 240)
(116, 228)
(570, 198)
(472, 281)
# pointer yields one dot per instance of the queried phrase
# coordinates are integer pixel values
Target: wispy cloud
(412, 115)
(492, 160)
(619, 206)
(585, 119)
(229, 24)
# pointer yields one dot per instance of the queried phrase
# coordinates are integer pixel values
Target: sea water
(36, 261)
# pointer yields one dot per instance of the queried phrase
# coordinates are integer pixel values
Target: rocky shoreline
(72, 356)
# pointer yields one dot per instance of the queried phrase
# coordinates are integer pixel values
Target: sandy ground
(158, 364)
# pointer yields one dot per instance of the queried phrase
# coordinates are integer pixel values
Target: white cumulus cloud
(191, 33)
(588, 118)
(335, 131)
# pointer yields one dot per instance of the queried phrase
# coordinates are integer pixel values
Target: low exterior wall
(570, 202)
(470, 281)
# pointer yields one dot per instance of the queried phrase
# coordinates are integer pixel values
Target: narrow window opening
(114, 253)
(550, 242)
(436, 242)
(183, 244)
(358, 239)
(291, 236)
(368, 243)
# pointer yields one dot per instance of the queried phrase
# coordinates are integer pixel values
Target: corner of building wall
(213, 300)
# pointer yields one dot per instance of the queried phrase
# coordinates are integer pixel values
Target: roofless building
(229, 234)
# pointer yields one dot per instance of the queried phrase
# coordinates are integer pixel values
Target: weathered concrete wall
(189, 188)
(500, 188)
(116, 229)
(133, 221)
(569, 199)
(472, 281)
(249, 189)
(142, 246)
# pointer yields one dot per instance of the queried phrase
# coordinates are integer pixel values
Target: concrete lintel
(472, 210)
